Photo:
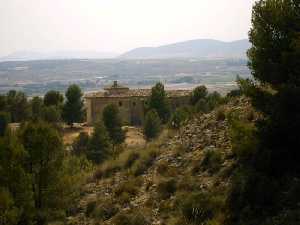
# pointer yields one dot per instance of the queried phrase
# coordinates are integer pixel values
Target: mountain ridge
(198, 48)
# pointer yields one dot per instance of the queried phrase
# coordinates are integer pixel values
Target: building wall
(132, 109)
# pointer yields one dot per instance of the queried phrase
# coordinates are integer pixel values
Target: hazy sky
(117, 25)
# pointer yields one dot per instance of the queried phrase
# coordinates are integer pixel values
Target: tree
(152, 125)
(51, 114)
(4, 120)
(99, 145)
(198, 93)
(272, 166)
(44, 147)
(178, 117)
(159, 102)
(80, 145)
(36, 108)
(17, 105)
(113, 124)
(213, 100)
(53, 98)
(16, 202)
(73, 108)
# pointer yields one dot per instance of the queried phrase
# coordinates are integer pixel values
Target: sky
(117, 25)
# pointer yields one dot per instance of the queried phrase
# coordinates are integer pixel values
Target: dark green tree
(4, 121)
(198, 93)
(16, 197)
(53, 98)
(99, 147)
(113, 124)
(51, 114)
(213, 100)
(73, 108)
(159, 102)
(152, 125)
(36, 108)
(264, 187)
(44, 149)
(179, 117)
(3, 103)
(80, 145)
(17, 105)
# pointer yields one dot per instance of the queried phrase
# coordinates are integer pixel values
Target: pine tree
(4, 120)
(73, 108)
(152, 125)
(264, 187)
(44, 148)
(99, 145)
(113, 124)
(159, 102)
(198, 93)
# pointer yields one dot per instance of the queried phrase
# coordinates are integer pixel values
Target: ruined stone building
(131, 102)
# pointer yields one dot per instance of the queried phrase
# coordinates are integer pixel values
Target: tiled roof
(136, 93)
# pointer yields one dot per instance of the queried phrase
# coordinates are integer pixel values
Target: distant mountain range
(32, 55)
(200, 48)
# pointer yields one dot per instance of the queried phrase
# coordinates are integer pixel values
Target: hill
(168, 181)
(200, 48)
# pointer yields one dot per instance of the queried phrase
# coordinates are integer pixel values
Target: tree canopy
(53, 98)
(263, 187)
(159, 102)
(152, 125)
(73, 108)
(99, 145)
(113, 124)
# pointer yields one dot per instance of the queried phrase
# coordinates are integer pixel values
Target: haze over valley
(180, 65)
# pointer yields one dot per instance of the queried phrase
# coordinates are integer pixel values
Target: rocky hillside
(181, 178)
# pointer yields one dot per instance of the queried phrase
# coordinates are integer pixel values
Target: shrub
(202, 106)
(131, 158)
(146, 160)
(80, 144)
(199, 207)
(198, 93)
(212, 161)
(130, 187)
(105, 210)
(132, 218)
(220, 114)
(90, 208)
(179, 117)
(166, 188)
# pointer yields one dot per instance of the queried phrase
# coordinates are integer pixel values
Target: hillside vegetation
(180, 178)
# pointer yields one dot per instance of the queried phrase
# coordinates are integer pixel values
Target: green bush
(90, 208)
(212, 161)
(130, 187)
(146, 160)
(166, 188)
(152, 125)
(179, 117)
(105, 210)
(202, 106)
(199, 207)
(131, 158)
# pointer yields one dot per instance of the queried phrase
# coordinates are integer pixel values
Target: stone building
(131, 102)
